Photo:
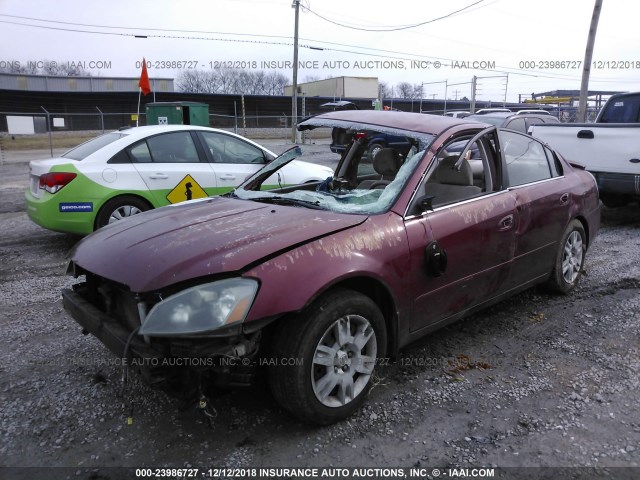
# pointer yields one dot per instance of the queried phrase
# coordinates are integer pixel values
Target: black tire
(119, 208)
(373, 150)
(343, 368)
(569, 260)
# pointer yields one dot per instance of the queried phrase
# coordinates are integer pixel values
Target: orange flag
(144, 84)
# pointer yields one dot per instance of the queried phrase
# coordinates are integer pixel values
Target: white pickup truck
(609, 148)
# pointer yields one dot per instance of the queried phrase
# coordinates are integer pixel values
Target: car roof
(339, 103)
(494, 115)
(493, 110)
(152, 129)
(505, 115)
(623, 94)
(138, 133)
(134, 134)
(539, 111)
(414, 122)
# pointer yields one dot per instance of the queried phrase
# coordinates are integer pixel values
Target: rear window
(85, 149)
(497, 121)
(622, 110)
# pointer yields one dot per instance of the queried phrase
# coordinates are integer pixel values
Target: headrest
(387, 162)
(447, 173)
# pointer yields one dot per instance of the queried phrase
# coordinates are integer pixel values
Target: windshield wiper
(288, 201)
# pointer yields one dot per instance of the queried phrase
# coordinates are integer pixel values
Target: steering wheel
(378, 183)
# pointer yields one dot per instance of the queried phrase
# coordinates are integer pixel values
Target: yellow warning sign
(187, 189)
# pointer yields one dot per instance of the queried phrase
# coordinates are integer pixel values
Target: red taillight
(360, 135)
(54, 181)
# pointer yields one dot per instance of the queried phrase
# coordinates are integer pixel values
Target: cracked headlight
(202, 308)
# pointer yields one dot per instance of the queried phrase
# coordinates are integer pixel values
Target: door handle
(635, 160)
(506, 223)
(227, 177)
(159, 176)
(564, 198)
(585, 134)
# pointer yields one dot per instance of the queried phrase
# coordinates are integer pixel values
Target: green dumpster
(177, 113)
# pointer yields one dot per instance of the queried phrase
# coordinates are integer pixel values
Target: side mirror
(425, 203)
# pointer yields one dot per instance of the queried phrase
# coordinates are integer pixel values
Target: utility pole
(591, 40)
(294, 93)
(506, 84)
(473, 94)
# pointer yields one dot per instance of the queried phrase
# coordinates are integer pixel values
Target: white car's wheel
(119, 208)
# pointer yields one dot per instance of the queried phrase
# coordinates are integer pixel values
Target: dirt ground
(539, 380)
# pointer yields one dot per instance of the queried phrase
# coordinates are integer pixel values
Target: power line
(391, 54)
(396, 28)
(306, 8)
(151, 29)
(138, 35)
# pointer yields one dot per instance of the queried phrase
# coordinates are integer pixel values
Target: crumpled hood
(193, 239)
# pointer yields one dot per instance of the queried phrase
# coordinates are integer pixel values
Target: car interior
(453, 179)
(386, 163)
(465, 168)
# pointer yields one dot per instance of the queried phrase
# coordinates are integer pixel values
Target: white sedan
(128, 171)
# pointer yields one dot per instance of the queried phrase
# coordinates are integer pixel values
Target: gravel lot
(538, 380)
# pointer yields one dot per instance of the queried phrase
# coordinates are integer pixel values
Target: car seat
(387, 162)
(450, 184)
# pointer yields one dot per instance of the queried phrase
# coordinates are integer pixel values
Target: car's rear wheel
(569, 259)
(119, 208)
(323, 361)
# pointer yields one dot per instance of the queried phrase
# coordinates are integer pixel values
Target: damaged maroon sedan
(314, 284)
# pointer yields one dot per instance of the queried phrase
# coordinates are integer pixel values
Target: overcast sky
(499, 34)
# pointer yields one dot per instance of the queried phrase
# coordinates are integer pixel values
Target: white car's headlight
(202, 308)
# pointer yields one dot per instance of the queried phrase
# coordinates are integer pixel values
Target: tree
(231, 81)
(197, 81)
(275, 83)
(404, 90)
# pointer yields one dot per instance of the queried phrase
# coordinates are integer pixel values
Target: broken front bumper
(167, 359)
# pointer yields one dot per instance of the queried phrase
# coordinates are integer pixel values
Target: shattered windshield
(271, 169)
(361, 190)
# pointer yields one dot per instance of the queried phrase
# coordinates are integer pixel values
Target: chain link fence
(64, 130)
(60, 122)
(60, 130)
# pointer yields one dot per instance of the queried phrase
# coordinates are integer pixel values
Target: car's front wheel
(119, 208)
(569, 259)
(323, 361)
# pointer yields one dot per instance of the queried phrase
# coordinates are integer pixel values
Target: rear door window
(177, 147)
(525, 159)
(517, 124)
